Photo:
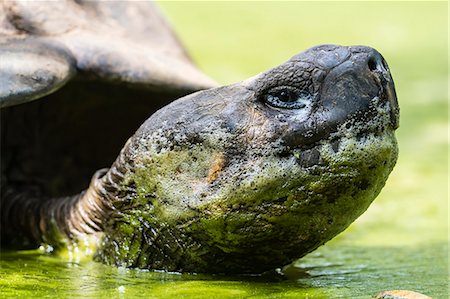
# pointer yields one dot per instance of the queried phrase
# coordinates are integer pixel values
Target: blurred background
(401, 242)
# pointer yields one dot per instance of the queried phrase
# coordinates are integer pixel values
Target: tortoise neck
(27, 218)
(86, 212)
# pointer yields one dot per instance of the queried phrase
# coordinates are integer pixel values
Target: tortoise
(241, 178)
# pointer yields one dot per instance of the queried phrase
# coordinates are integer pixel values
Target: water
(334, 271)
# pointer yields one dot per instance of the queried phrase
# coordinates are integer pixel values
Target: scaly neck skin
(28, 218)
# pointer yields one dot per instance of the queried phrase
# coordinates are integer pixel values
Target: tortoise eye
(287, 97)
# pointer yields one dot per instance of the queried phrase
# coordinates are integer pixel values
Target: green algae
(338, 270)
(259, 205)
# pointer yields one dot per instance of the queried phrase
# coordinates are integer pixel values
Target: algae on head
(248, 177)
(259, 213)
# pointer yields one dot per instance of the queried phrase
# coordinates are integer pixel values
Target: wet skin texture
(249, 177)
(237, 179)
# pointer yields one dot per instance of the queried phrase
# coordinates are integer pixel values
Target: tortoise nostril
(372, 64)
(376, 63)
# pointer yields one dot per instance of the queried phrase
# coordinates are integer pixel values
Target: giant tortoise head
(242, 178)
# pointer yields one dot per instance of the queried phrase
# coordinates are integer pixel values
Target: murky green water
(335, 271)
(401, 242)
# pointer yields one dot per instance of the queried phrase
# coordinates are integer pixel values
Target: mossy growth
(258, 213)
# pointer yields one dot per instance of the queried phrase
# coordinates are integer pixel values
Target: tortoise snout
(380, 70)
(352, 86)
(373, 66)
(357, 88)
(377, 64)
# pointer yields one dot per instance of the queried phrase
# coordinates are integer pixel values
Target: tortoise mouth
(376, 114)
(377, 122)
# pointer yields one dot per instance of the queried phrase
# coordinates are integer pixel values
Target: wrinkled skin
(243, 178)
(232, 180)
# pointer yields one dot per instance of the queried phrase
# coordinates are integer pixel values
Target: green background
(401, 242)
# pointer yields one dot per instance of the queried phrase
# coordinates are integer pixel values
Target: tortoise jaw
(358, 91)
